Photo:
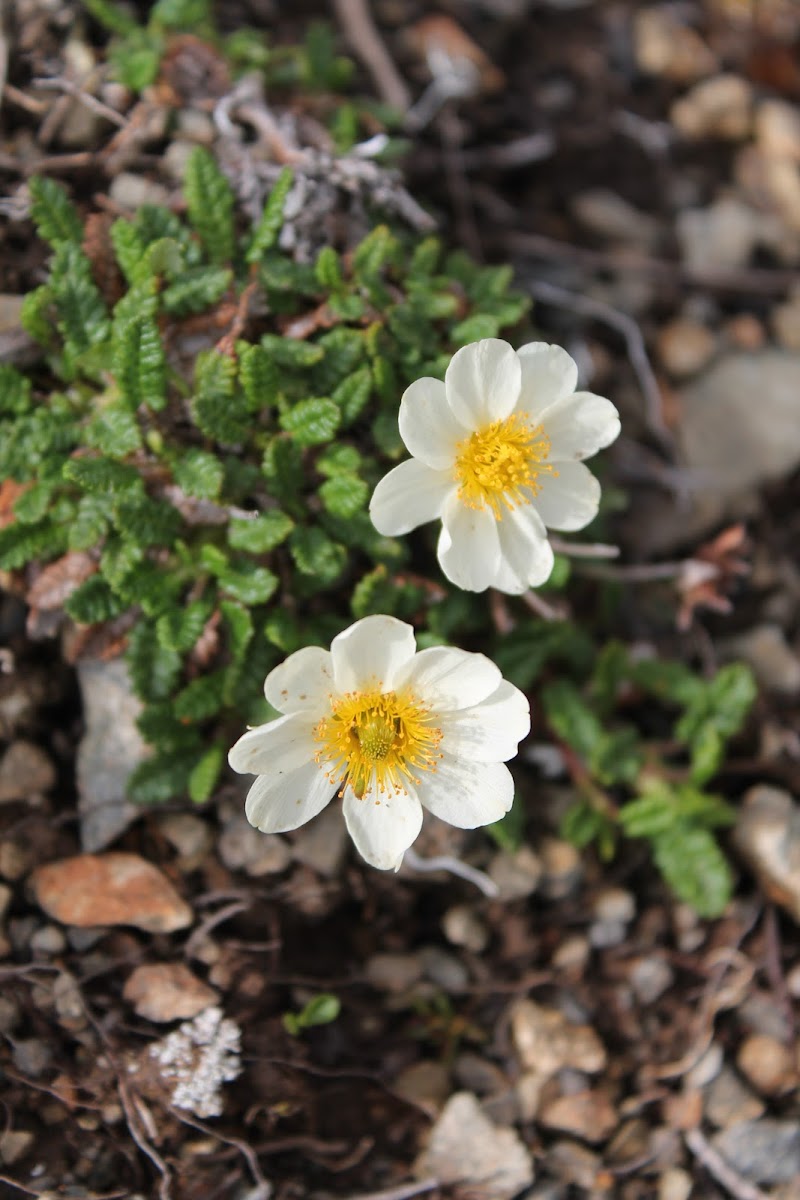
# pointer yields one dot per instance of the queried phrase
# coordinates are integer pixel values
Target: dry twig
(359, 28)
(721, 1171)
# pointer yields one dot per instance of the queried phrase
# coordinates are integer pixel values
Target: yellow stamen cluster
(499, 466)
(390, 735)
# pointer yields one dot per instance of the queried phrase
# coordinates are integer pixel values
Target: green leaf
(328, 269)
(378, 248)
(179, 629)
(262, 533)
(210, 204)
(653, 813)
(154, 670)
(584, 823)
(15, 392)
(339, 459)
(162, 777)
(196, 290)
(82, 317)
(315, 554)
(312, 422)
(204, 776)
(695, 868)
(113, 17)
(114, 432)
(36, 314)
(148, 522)
(135, 60)
(198, 473)
(509, 831)
(291, 352)
(474, 329)
(248, 583)
(715, 714)
(352, 394)
(258, 376)
(187, 16)
(283, 468)
(32, 504)
(139, 364)
(320, 1010)
(218, 409)
(570, 718)
(269, 226)
(53, 213)
(88, 528)
(240, 628)
(129, 250)
(344, 495)
(201, 698)
(103, 475)
(93, 601)
(21, 544)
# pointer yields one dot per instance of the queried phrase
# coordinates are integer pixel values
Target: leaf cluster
(213, 425)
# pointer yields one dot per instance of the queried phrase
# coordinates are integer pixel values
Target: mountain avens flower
(389, 730)
(497, 457)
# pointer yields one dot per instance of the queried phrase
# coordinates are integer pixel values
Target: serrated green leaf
(81, 313)
(210, 205)
(340, 458)
(315, 554)
(269, 226)
(114, 432)
(180, 628)
(571, 718)
(240, 628)
(259, 377)
(198, 473)
(36, 314)
(218, 408)
(328, 269)
(32, 504)
(88, 528)
(344, 495)
(352, 394)
(129, 250)
(111, 16)
(312, 422)
(474, 329)
(695, 868)
(187, 16)
(283, 468)
(53, 213)
(249, 583)
(15, 392)
(154, 670)
(201, 698)
(93, 602)
(651, 814)
(196, 290)
(291, 352)
(378, 248)
(162, 777)
(103, 475)
(139, 364)
(148, 522)
(21, 544)
(261, 534)
(204, 776)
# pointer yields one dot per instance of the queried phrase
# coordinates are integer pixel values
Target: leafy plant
(321, 1009)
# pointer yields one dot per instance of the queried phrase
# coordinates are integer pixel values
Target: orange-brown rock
(110, 889)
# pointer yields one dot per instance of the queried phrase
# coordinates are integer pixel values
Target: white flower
(497, 456)
(388, 729)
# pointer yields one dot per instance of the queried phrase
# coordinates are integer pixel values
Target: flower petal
(483, 382)
(382, 824)
(469, 548)
(276, 748)
(524, 546)
(548, 374)
(468, 794)
(427, 424)
(447, 678)
(579, 425)
(408, 496)
(275, 805)
(490, 731)
(570, 499)
(369, 653)
(301, 682)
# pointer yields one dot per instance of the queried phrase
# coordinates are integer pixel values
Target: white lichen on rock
(198, 1058)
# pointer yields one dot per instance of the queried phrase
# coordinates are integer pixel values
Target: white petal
(382, 825)
(579, 425)
(548, 374)
(274, 805)
(469, 548)
(427, 425)
(490, 731)
(524, 546)
(303, 681)
(483, 382)
(408, 496)
(276, 748)
(370, 653)
(570, 499)
(447, 678)
(467, 794)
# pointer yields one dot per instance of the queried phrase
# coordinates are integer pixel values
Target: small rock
(777, 129)
(462, 927)
(166, 991)
(650, 978)
(762, 1012)
(603, 934)
(394, 972)
(14, 1144)
(573, 1164)
(684, 1109)
(562, 869)
(706, 1068)
(110, 889)
(190, 836)
(15, 860)
(589, 1115)
(723, 235)
(465, 1149)
(732, 442)
(9, 1015)
(243, 848)
(767, 1064)
(685, 347)
(547, 1042)
(197, 126)
(516, 873)
(68, 1002)
(614, 904)
(479, 1075)
(176, 158)
(109, 751)
(426, 1084)
(322, 843)
(745, 332)
(607, 215)
(720, 107)
(767, 835)
(765, 649)
(727, 1101)
(630, 1143)
(25, 770)
(48, 941)
(765, 1151)
(785, 321)
(443, 969)
(81, 125)
(31, 1056)
(132, 191)
(572, 954)
(666, 46)
(675, 1184)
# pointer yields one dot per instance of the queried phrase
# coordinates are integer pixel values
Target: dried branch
(359, 29)
(719, 1169)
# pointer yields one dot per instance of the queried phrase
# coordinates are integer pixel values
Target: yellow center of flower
(497, 465)
(390, 735)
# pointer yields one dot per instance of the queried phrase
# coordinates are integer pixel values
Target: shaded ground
(665, 1033)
